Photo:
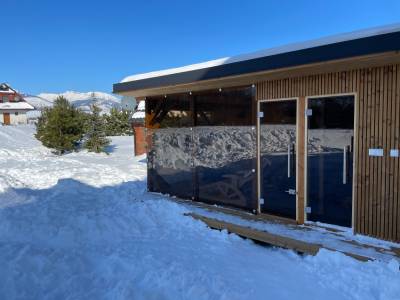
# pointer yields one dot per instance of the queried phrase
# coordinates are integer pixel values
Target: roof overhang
(376, 48)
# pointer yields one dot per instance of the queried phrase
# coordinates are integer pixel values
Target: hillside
(81, 100)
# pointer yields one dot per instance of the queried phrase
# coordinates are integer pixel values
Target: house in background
(13, 107)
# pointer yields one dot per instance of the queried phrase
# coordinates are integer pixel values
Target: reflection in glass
(278, 157)
(202, 146)
(330, 159)
(171, 158)
(170, 145)
(224, 150)
(224, 159)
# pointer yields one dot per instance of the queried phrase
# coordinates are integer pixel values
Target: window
(228, 107)
(5, 99)
(173, 111)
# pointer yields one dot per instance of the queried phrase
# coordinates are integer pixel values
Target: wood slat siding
(376, 195)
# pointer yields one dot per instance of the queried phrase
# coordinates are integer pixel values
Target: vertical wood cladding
(376, 184)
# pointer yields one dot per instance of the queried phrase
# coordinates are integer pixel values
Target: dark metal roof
(346, 49)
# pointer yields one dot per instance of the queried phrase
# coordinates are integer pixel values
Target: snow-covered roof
(141, 106)
(16, 105)
(140, 112)
(6, 89)
(138, 115)
(269, 52)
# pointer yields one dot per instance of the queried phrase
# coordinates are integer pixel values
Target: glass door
(330, 138)
(277, 148)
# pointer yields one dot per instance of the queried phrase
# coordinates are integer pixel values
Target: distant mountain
(81, 100)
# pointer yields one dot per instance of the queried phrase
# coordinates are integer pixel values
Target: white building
(13, 107)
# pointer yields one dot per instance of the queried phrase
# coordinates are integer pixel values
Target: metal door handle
(345, 158)
(289, 168)
(290, 155)
(291, 192)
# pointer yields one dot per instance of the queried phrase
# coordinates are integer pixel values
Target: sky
(63, 45)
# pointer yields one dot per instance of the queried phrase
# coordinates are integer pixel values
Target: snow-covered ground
(82, 226)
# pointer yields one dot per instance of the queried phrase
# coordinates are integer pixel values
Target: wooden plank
(237, 212)
(358, 154)
(386, 220)
(272, 239)
(368, 171)
(386, 161)
(361, 174)
(390, 166)
(379, 99)
(350, 77)
(259, 236)
(396, 177)
(375, 144)
(301, 150)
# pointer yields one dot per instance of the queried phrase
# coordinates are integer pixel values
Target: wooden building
(309, 131)
(13, 107)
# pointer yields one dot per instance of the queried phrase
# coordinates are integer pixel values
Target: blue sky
(54, 46)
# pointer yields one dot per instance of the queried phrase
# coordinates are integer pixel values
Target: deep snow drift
(82, 226)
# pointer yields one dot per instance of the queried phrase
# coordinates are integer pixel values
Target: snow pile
(81, 100)
(82, 226)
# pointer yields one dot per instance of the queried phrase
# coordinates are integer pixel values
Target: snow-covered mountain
(81, 100)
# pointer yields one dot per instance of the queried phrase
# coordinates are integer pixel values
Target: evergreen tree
(61, 126)
(118, 122)
(96, 140)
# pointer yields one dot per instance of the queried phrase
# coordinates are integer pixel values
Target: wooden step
(270, 238)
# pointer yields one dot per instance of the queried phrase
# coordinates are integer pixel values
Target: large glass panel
(170, 145)
(330, 159)
(278, 157)
(224, 148)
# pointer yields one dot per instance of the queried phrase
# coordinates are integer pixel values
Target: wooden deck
(333, 239)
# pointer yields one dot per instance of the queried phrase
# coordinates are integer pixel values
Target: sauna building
(309, 131)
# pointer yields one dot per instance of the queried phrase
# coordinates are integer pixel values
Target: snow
(82, 226)
(6, 89)
(81, 100)
(38, 102)
(269, 52)
(140, 112)
(343, 239)
(16, 105)
(139, 115)
(142, 106)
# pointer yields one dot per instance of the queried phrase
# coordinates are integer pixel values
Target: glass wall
(203, 146)
(225, 148)
(170, 145)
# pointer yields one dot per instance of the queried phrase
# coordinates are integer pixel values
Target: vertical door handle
(289, 168)
(345, 158)
(291, 160)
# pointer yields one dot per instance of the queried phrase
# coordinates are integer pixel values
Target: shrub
(95, 139)
(117, 122)
(61, 127)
